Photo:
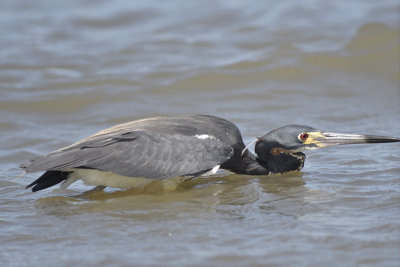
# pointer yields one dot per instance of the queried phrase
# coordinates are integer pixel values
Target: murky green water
(70, 69)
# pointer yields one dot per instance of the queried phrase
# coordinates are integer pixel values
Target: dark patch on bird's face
(277, 159)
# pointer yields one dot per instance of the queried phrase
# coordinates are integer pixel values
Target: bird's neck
(246, 164)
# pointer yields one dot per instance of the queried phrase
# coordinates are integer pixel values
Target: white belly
(96, 178)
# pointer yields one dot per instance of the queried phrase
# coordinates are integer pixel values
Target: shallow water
(70, 69)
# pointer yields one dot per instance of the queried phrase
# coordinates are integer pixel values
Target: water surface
(72, 68)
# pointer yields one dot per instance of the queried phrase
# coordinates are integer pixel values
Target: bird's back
(187, 125)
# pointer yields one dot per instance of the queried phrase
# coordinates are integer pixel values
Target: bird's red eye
(303, 136)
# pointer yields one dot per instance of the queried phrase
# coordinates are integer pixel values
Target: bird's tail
(49, 178)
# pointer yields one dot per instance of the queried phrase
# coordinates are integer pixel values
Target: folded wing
(146, 154)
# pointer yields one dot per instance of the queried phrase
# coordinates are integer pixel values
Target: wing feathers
(138, 154)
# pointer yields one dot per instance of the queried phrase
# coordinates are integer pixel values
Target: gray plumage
(155, 148)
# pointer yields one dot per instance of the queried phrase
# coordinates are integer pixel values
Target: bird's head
(281, 150)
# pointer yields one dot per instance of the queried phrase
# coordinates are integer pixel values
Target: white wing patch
(212, 171)
(204, 136)
(215, 169)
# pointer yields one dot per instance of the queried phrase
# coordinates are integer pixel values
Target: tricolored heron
(180, 146)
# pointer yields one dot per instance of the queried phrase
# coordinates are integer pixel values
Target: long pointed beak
(325, 139)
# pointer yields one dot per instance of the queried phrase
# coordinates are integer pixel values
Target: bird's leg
(96, 189)
(191, 178)
(87, 194)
